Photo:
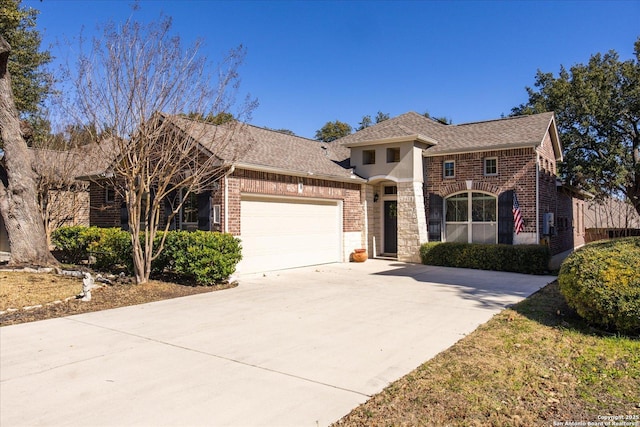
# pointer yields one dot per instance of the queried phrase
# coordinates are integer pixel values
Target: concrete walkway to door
(298, 347)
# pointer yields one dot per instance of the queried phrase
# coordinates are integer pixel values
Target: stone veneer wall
(412, 224)
(370, 221)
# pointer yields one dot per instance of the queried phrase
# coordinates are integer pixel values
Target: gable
(254, 148)
(506, 133)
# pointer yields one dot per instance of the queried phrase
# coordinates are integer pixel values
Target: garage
(280, 233)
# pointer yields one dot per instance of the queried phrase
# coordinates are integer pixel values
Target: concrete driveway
(298, 347)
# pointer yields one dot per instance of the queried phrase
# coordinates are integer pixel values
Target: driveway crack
(229, 359)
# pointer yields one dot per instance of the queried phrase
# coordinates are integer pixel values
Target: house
(387, 188)
(63, 200)
(611, 218)
(458, 183)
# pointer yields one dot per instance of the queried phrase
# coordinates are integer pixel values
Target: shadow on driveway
(490, 289)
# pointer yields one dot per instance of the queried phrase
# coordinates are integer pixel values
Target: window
(216, 214)
(449, 169)
(491, 166)
(393, 155)
(189, 211)
(110, 194)
(368, 157)
(471, 218)
(390, 189)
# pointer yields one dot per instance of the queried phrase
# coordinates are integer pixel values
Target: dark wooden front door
(390, 226)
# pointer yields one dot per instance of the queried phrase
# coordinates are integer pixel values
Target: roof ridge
(279, 132)
(521, 116)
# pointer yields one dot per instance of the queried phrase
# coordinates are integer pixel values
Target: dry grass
(19, 289)
(533, 365)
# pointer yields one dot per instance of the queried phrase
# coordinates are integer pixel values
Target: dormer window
(368, 157)
(393, 155)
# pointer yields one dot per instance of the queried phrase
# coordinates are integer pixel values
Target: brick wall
(516, 171)
(244, 181)
(549, 195)
(101, 212)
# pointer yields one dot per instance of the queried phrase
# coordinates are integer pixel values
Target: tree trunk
(18, 196)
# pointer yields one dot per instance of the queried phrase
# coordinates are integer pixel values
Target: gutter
(431, 153)
(537, 197)
(310, 174)
(104, 175)
(392, 140)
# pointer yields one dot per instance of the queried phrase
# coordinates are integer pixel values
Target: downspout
(537, 197)
(226, 197)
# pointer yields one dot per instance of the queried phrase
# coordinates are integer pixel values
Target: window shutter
(124, 216)
(505, 217)
(204, 211)
(169, 203)
(435, 217)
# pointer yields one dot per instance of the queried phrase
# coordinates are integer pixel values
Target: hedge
(601, 282)
(200, 256)
(529, 259)
(206, 257)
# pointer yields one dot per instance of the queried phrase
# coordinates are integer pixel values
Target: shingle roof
(407, 124)
(514, 132)
(67, 165)
(248, 145)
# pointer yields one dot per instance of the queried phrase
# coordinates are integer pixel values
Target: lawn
(536, 364)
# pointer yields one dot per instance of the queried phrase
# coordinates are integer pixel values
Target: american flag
(518, 222)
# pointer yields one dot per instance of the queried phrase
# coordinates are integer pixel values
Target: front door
(390, 226)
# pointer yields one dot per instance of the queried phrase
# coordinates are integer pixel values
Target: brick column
(412, 222)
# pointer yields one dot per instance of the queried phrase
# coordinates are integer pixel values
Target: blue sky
(316, 61)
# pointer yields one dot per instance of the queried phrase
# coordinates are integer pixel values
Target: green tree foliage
(285, 131)
(367, 121)
(332, 131)
(381, 117)
(597, 107)
(216, 119)
(30, 81)
(444, 120)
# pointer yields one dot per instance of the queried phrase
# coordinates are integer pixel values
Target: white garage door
(286, 233)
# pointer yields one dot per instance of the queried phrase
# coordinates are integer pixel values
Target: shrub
(202, 256)
(73, 242)
(112, 251)
(206, 257)
(530, 259)
(601, 282)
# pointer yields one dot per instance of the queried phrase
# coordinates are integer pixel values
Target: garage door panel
(286, 233)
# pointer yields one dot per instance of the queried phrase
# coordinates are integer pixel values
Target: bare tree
(136, 84)
(18, 197)
(63, 200)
